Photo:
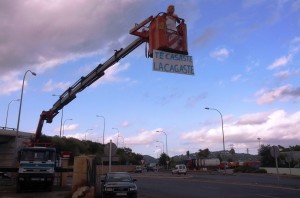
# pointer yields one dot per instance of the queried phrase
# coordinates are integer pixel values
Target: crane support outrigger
(152, 30)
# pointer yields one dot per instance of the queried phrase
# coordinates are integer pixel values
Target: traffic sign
(172, 62)
(113, 149)
(274, 151)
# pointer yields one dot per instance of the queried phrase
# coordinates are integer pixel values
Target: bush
(243, 169)
(260, 171)
(248, 169)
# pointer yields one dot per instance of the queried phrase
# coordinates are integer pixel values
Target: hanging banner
(172, 62)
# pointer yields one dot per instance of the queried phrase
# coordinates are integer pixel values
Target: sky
(246, 57)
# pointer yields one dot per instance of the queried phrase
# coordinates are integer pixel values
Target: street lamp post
(63, 131)
(103, 128)
(20, 107)
(86, 132)
(8, 110)
(258, 142)
(166, 140)
(162, 145)
(61, 117)
(159, 149)
(98, 140)
(207, 108)
(122, 139)
(118, 136)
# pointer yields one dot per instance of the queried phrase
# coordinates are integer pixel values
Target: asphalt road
(194, 185)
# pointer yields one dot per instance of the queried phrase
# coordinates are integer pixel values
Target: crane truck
(37, 163)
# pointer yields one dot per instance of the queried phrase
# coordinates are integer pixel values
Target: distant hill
(216, 154)
(148, 159)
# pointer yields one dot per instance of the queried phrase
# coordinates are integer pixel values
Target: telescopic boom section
(97, 73)
(152, 30)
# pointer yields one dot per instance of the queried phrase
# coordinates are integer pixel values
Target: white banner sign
(173, 63)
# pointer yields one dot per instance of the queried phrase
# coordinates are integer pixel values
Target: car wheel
(133, 196)
(18, 188)
(103, 195)
(49, 188)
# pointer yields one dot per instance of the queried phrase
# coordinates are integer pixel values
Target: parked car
(4, 175)
(179, 169)
(117, 184)
(151, 167)
(138, 169)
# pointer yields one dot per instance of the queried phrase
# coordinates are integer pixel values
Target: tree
(79, 147)
(291, 148)
(128, 157)
(266, 159)
(163, 159)
(232, 151)
(286, 157)
(203, 153)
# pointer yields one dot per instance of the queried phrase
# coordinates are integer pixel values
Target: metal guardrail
(8, 128)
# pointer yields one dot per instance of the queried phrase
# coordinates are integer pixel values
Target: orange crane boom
(155, 33)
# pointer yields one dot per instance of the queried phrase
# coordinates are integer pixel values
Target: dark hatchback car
(118, 184)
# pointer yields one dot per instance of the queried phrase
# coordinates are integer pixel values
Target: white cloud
(58, 32)
(252, 3)
(196, 135)
(253, 119)
(192, 101)
(52, 33)
(125, 124)
(277, 127)
(236, 78)
(50, 86)
(112, 75)
(10, 82)
(284, 92)
(220, 54)
(285, 60)
(283, 74)
(286, 74)
(282, 61)
(144, 137)
(296, 6)
(69, 128)
(296, 39)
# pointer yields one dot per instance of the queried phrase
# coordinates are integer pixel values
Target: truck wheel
(49, 188)
(18, 187)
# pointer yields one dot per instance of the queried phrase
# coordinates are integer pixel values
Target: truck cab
(36, 167)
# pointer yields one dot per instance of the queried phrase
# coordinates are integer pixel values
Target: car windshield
(118, 177)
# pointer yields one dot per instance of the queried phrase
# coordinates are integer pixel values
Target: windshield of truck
(37, 155)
